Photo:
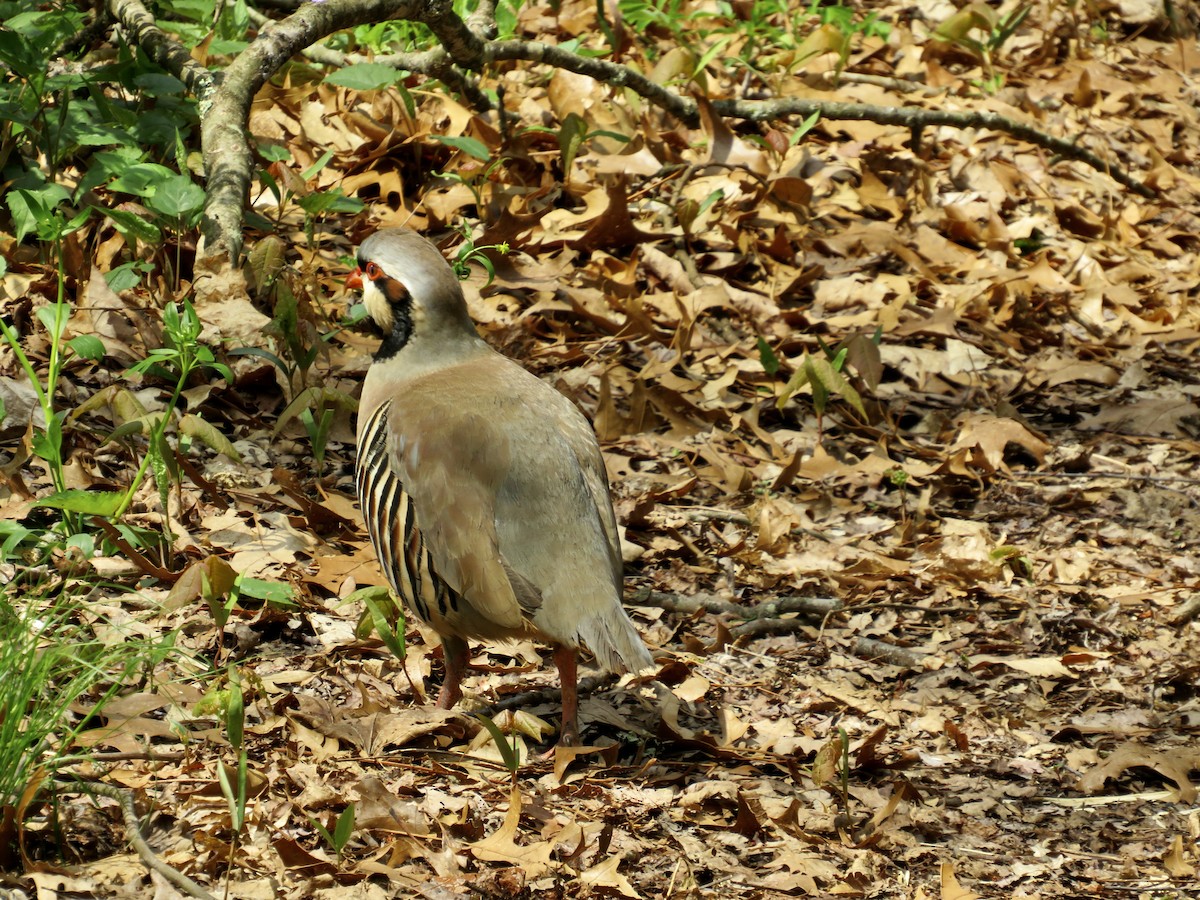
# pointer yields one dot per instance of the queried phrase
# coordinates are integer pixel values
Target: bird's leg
(564, 658)
(454, 655)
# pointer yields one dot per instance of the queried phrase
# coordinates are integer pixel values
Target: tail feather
(615, 642)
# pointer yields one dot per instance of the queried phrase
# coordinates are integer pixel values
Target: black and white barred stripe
(392, 524)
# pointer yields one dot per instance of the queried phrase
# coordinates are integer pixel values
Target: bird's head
(409, 290)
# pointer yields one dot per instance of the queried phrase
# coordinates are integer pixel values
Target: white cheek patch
(377, 306)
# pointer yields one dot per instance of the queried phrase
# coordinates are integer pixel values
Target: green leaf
(365, 76)
(160, 84)
(206, 433)
(235, 711)
(88, 503)
(33, 210)
(315, 397)
(815, 368)
(321, 202)
(141, 179)
(468, 145)
(273, 153)
(47, 444)
(570, 138)
(770, 362)
(323, 832)
(710, 54)
(798, 380)
(13, 533)
(161, 461)
(315, 169)
(177, 198)
(276, 592)
(88, 346)
(133, 227)
(261, 354)
(54, 319)
(344, 828)
(126, 276)
(508, 749)
(391, 635)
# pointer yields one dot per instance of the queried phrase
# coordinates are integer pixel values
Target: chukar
(482, 487)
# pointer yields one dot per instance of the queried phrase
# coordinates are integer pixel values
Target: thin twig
(704, 602)
(133, 834)
(869, 648)
(1188, 611)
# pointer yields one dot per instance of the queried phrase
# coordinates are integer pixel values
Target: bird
(482, 487)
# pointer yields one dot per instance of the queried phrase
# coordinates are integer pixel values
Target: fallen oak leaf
(605, 874)
(1172, 767)
(501, 846)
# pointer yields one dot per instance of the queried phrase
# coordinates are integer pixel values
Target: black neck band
(401, 331)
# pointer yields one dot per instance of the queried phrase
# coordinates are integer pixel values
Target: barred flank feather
(391, 522)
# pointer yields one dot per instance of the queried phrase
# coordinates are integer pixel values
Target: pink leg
(454, 654)
(564, 658)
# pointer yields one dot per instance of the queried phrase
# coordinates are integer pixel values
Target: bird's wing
(451, 464)
(582, 440)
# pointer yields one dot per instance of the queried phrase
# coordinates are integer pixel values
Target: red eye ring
(373, 271)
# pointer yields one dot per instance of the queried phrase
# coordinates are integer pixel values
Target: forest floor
(941, 645)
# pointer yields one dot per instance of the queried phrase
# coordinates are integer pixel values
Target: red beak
(354, 280)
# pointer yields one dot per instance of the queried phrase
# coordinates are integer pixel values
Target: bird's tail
(615, 642)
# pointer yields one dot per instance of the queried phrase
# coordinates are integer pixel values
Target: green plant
(823, 374)
(474, 149)
(50, 664)
(39, 111)
(297, 345)
(572, 134)
(469, 252)
(997, 30)
(49, 122)
(288, 186)
(1016, 559)
(234, 783)
(337, 835)
(381, 614)
(315, 408)
(509, 750)
(52, 226)
(181, 356)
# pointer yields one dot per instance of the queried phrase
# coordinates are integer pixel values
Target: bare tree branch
(223, 137)
(868, 648)
(162, 48)
(770, 609)
(687, 111)
(467, 46)
(133, 834)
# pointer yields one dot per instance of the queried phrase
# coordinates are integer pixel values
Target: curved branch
(227, 157)
(133, 834)
(434, 63)
(916, 119)
(162, 48)
(687, 111)
(682, 108)
(465, 46)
